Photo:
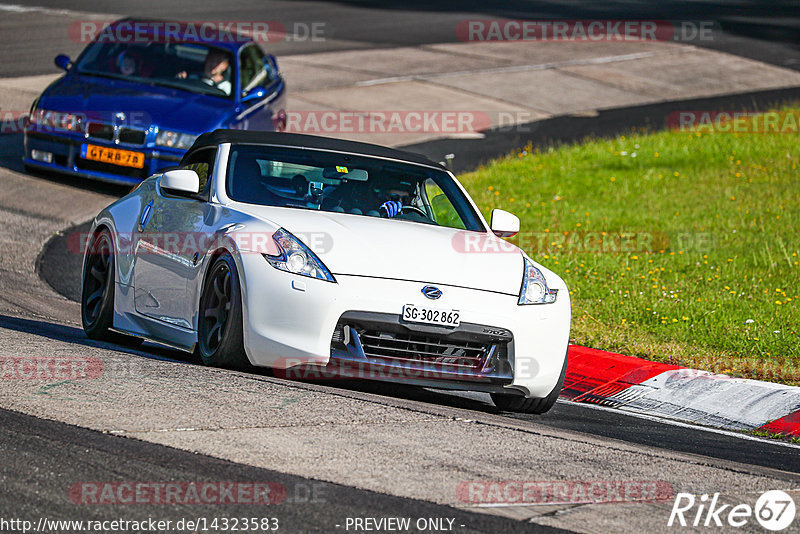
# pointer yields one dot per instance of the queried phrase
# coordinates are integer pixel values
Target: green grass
(773, 435)
(709, 279)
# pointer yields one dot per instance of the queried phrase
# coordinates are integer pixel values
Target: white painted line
(17, 8)
(515, 68)
(663, 420)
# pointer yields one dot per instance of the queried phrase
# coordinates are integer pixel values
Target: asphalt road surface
(43, 459)
(34, 31)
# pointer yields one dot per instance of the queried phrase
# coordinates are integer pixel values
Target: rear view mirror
(256, 93)
(63, 62)
(181, 182)
(504, 224)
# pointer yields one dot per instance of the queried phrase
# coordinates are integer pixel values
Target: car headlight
(172, 139)
(534, 286)
(294, 257)
(70, 122)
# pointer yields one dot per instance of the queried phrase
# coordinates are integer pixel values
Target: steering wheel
(414, 208)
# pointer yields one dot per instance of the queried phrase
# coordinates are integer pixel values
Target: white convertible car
(300, 252)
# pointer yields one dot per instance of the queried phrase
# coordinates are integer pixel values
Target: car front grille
(131, 136)
(410, 347)
(105, 132)
(99, 130)
(467, 352)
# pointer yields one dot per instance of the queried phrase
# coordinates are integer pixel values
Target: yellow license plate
(115, 156)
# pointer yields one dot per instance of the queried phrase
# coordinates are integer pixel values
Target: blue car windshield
(346, 183)
(192, 67)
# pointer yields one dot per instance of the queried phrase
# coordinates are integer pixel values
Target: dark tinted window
(202, 162)
(358, 185)
(186, 66)
(255, 69)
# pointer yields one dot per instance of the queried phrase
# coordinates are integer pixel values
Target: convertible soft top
(306, 141)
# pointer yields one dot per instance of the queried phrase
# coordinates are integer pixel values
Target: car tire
(534, 405)
(220, 340)
(97, 293)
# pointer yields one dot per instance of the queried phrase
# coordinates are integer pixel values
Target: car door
(169, 248)
(258, 80)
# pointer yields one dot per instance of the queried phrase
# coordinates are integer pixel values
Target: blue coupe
(129, 107)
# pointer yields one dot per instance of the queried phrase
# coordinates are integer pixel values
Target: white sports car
(300, 252)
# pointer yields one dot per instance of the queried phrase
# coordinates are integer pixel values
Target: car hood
(144, 104)
(367, 246)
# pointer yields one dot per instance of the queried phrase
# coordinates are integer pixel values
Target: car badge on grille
(432, 292)
(120, 117)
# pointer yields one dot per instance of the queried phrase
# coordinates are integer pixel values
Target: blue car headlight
(46, 119)
(534, 286)
(294, 257)
(172, 139)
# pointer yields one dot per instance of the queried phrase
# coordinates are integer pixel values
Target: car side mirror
(180, 182)
(63, 61)
(256, 93)
(504, 224)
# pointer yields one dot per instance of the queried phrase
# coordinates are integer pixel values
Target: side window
(444, 213)
(254, 68)
(202, 162)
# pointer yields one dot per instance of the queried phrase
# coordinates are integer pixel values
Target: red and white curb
(697, 397)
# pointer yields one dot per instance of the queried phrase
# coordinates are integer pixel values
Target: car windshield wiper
(102, 75)
(150, 81)
(182, 86)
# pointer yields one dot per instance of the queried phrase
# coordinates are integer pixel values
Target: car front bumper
(66, 157)
(293, 321)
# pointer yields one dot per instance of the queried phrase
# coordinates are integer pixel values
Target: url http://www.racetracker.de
(199, 524)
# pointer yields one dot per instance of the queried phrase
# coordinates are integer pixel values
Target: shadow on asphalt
(12, 151)
(564, 415)
(34, 450)
(768, 20)
(74, 335)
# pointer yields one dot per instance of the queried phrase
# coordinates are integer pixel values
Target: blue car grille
(123, 134)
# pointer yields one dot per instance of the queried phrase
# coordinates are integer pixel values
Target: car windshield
(339, 183)
(189, 66)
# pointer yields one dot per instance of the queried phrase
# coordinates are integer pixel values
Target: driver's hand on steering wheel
(392, 208)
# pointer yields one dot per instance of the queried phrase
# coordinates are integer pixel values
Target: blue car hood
(143, 104)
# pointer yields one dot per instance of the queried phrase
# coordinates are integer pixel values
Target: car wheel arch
(211, 257)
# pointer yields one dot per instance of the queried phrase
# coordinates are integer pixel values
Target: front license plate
(419, 314)
(115, 156)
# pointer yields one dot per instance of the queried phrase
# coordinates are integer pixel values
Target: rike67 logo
(774, 510)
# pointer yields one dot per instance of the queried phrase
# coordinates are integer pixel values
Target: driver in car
(215, 71)
(395, 200)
